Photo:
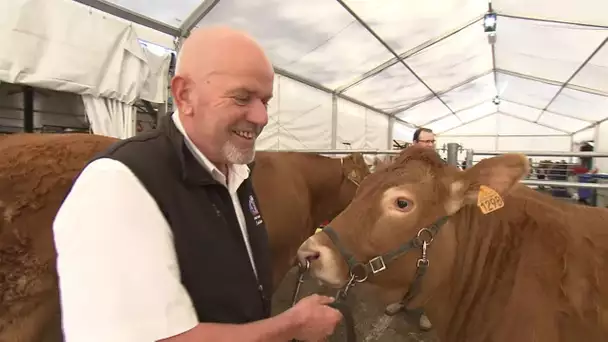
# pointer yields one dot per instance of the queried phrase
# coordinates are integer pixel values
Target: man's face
(426, 139)
(230, 113)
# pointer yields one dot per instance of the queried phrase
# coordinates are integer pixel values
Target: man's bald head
(208, 49)
(222, 85)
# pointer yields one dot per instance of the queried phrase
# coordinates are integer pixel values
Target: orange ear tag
(489, 200)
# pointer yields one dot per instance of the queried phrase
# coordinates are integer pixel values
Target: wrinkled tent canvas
(364, 72)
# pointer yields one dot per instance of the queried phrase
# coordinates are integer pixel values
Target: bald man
(160, 238)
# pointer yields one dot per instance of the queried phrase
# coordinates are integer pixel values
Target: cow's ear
(492, 176)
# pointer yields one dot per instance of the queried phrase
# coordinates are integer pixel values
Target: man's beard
(235, 155)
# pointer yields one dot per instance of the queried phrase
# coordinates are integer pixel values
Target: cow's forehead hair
(413, 163)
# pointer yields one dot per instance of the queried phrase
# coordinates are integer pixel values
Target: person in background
(423, 137)
(584, 195)
(160, 237)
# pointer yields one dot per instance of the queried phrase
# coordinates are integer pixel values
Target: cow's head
(391, 207)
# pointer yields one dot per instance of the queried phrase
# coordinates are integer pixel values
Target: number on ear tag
(489, 200)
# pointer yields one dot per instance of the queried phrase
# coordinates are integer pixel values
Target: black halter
(359, 272)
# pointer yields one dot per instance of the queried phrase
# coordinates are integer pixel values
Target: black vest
(213, 260)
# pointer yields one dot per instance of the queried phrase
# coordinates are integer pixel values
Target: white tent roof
(425, 62)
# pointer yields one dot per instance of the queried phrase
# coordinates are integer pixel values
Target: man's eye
(241, 100)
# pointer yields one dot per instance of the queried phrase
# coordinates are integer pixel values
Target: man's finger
(326, 300)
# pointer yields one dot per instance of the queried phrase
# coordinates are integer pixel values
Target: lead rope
(347, 314)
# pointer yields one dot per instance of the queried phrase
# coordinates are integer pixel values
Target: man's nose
(258, 114)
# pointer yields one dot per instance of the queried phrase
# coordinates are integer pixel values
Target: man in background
(424, 137)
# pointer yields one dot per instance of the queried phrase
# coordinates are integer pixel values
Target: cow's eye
(402, 203)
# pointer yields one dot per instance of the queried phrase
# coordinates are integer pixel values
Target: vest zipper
(265, 300)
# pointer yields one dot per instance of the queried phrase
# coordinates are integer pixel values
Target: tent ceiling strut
(373, 33)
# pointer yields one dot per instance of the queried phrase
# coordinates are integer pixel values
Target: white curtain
(65, 46)
(110, 117)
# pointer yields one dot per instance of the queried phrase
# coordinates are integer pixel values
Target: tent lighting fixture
(489, 22)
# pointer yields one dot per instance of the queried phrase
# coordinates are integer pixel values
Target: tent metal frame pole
(559, 91)
(565, 184)
(548, 111)
(544, 153)
(444, 136)
(425, 99)
(196, 16)
(335, 151)
(121, 12)
(380, 68)
(552, 21)
(379, 39)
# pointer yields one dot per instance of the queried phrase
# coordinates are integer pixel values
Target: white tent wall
(601, 145)
(302, 117)
(402, 132)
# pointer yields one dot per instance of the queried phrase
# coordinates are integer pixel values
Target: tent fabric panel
(544, 143)
(317, 39)
(351, 127)
(300, 117)
(581, 105)
(591, 12)
(546, 50)
(469, 94)
(483, 126)
(584, 135)
(562, 123)
(424, 112)
(51, 54)
(508, 125)
(518, 110)
(476, 112)
(444, 124)
(376, 130)
(594, 75)
(402, 132)
(524, 91)
(392, 88)
(171, 12)
(454, 60)
(269, 138)
(422, 20)
(500, 124)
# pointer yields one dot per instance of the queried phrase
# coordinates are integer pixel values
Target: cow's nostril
(313, 256)
(307, 256)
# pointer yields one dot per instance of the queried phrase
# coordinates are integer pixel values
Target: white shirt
(119, 278)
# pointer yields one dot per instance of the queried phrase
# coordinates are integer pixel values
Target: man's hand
(315, 320)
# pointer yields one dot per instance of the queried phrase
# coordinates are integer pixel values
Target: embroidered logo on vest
(253, 209)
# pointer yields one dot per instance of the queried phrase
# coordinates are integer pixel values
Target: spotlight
(489, 22)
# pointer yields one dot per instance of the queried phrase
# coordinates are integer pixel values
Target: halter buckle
(377, 264)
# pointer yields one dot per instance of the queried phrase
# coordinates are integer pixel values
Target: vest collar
(192, 171)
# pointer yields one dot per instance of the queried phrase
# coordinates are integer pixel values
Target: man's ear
(180, 89)
(499, 174)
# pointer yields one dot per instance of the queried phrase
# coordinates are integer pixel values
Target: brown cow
(532, 268)
(296, 191)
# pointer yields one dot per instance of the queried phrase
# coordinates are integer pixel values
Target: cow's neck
(495, 274)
